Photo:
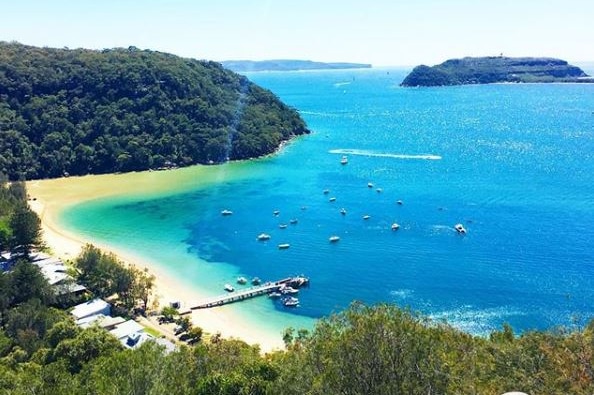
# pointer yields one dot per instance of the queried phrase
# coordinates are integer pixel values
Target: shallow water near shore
(513, 163)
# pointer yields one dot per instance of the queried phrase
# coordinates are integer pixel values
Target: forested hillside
(81, 111)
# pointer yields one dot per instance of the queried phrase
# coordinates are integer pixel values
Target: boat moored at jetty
(241, 280)
(274, 295)
(288, 290)
(229, 288)
(256, 281)
(290, 301)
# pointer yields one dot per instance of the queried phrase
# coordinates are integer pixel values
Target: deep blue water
(513, 163)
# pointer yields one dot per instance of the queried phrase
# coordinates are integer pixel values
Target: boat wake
(383, 154)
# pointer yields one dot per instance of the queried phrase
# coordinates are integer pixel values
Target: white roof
(126, 329)
(87, 321)
(91, 307)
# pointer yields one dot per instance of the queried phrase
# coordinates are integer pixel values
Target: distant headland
(487, 70)
(288, 65)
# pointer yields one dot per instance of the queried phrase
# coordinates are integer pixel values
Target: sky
(380, 32)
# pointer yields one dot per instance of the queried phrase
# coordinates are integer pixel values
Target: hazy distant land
(487, 70)
(288, 65)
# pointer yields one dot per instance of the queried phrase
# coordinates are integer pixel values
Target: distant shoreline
(49, 198)
(289, 65)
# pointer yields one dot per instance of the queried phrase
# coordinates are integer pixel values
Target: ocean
(513, 163)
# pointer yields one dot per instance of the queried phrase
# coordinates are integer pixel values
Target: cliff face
(488, 70)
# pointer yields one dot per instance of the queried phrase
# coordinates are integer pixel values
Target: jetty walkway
(251, 292)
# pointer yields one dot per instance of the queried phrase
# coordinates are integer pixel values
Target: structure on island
(495, 69)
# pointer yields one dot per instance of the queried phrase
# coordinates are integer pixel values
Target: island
(288, 65)
(495, 69)
(80, 111)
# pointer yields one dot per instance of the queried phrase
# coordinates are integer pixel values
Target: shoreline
(49, 198)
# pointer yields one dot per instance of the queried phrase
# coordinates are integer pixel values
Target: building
(92, 307)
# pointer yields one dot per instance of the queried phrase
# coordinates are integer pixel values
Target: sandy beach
(50, 197)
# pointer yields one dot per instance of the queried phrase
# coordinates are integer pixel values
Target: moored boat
(293, 221)
(282, 226)
(343, 211)
(287, 290)
(460, 228)
(275, 213)
(369, 185)
(284, 246)
(326, 191)
(366, 216)
(275, 295)
(229, 288)
(256, 281)
(226, 212)
(332, 199)
(344, 160)
(263, 236)
(334, 239)
(395, 226)
(241, 280)
(290, 301)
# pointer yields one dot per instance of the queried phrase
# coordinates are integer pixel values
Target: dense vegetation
(80, 111)
(488, 70)
(287, 65)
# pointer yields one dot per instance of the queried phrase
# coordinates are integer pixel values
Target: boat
(229, 288)
(226, 212)
(282, 226)
(395, 226)
(293, 221)
(369, 185)
(284, 246)
(343, 211)
(334, 239)
(263, 236)
(299, 281)
(256, 281)
(379, 190)
(276, 213)
(366, 216)
(344, 160)
(290, 301)
(287, 290)
(326, 191)
(332, 199)
(460, 228)
(399, 202)
(275, 295)
(241, 280)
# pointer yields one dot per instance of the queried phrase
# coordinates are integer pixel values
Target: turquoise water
(513, 163)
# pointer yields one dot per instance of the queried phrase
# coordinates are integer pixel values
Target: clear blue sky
(382, 32)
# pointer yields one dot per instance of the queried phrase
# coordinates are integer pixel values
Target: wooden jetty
(251, 292)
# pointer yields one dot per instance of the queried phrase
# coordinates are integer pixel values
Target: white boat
(369, 185)
(226, 212)
(229, 288)
(460, 228)
(282, 226)
(344, 160)
(379, 190)
(256, 281)
(275, 295)
(263, 236)
(399, 202)
(326, 191)
(276, 213)
(290, 301)
(286, 290)
(241, 280)
(366, 216)
(343, 211)
(332, 199)
(395, 226)
(334, 239)
(293, 221)
(284, 246)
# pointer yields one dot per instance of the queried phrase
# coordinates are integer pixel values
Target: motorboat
(293, 221)
(241, 280)
(399, 202)
(263, 236)
(460, 228)
(379, 190)
(287, 290)
(366, 216)
(343, 211)
(369, 185)
(395, 226)
(256, 281)
(229, 288)
(290, 301)
(275, 295)
(282, 226)
(326, 191)
(344, 160)
(334, 239)
(226, 212)
(332, 199)
(276, 213)
(284, 246)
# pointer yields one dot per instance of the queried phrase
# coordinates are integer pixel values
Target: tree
(26, 229)
(26, 282)
(143, 286)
